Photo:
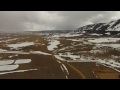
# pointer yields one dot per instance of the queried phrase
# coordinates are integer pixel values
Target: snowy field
(98, 47)
(14, 51)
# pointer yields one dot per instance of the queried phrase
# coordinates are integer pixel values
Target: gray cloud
(45, 20)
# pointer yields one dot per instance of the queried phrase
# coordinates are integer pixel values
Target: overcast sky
(52, 20)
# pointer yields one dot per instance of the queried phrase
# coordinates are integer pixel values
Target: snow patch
(58, 61)
(8, 67)
(15, 52)
(53, 45)
(56, 36)
(108, 33)
(2, 73)
(59, 58)
(39, 52)
(2, 50)
(22, 61)
(10, 56)
(109, 45)
(22, 52)
(96, 51)
(23, 44)
(6, 62)
(96, 34)
(68, 54)
(111, 63)
(62, 68)
(9, 40)
(65, 68)
(66, 77)
(102, 40)
(72, 35)
(74, 40)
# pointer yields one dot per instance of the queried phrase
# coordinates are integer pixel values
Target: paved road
(84, 69)
(81, 70)
(47, 67)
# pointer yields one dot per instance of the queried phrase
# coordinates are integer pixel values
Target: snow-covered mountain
(110, 28)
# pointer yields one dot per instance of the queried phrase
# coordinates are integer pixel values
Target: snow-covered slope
(110, 28)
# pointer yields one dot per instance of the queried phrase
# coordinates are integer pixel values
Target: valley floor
(55, 57)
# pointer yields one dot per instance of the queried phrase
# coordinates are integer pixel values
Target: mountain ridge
(110, 28)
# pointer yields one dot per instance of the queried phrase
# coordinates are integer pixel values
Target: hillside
(110, 28)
